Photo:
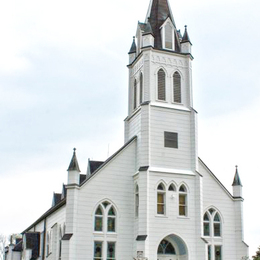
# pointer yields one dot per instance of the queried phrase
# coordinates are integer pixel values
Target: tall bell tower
(160, 103)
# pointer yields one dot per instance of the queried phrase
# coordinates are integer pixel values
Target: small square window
(170, 139)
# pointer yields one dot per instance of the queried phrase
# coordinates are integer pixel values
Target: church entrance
(172, 247)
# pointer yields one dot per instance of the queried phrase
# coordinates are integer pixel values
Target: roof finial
(74, 149)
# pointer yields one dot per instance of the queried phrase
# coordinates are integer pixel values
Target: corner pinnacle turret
(74, 166)
(236, 181)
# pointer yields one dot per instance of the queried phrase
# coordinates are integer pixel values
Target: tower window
(135, 94)
(161, 85)
(168, 36)
(177, 87)
(170, 139)
(141, 88)
(97, 250)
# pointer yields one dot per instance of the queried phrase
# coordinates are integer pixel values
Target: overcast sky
(63, 84)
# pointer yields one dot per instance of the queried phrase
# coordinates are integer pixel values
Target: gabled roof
(19, 246)
(74, 166)
(159, 11)
(56, 198)
(82, 177)
(237, 181)
(94, 165)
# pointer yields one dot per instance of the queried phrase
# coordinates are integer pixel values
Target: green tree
(257, 256)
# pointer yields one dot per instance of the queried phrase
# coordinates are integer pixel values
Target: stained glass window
(99, 219)
(217, 228)
(206, 225)
(166, 247)
(218, 253)
(97, 250)
(111, 220)
(111, 246)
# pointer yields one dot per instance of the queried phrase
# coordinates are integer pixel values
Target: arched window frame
(172, 187)
(161, 85)
(136, 200)
(183, 201)
(164, 245)
(161, 199)
(141, 90)
(105, 241)
(177, 89)
(214, 222)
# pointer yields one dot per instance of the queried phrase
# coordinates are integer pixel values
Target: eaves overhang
(46, 214)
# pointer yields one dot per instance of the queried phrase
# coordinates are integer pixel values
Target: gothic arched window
(166, 248)
(141, 89)
(135, 94)
(99, 219)
(161, 199)
(212, 223)
(161, 85)
(104, 239)
(177, 87)
(183, 207)
(172, 187)
(206, 224)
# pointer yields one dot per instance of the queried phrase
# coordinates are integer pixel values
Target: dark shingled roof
(64, 191)
(33, 242)
(82, 177)
(133, 47)
(56, 198)
(19, 246)
(186, 37)
(74, 166)
(94, 165)
(237, 181)
(160, 11)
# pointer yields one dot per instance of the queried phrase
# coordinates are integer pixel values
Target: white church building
(154, 198)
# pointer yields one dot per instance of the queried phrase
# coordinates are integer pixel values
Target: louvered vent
(177, 87)
(168, 36)
(141, 88)
(135, 86)
(170, 140)
(161, 85)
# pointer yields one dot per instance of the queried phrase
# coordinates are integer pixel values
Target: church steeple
(158, 12)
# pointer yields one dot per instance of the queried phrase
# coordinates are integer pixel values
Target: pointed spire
(74, 166)
(237, 181)
(133, 47)
(186, 37)
(158, 12)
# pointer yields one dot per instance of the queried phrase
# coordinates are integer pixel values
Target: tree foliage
(3, 244)
(257, 254)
